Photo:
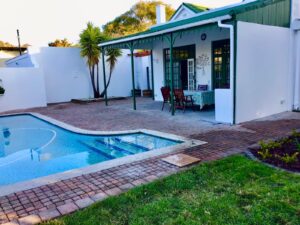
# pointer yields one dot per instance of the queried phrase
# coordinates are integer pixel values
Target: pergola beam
(152, 75)
(171, 40)
(131, 48)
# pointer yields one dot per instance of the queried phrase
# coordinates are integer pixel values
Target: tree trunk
(106, 86)
(92, 74)
(97, 78)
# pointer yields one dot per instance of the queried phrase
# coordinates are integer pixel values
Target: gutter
(183, 27)
(232, 55)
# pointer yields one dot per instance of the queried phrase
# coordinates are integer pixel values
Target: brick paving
(60, 198)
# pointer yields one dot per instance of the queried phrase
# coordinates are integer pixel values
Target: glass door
(191, 74)
(181, 55)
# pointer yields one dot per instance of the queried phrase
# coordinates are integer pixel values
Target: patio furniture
(202, 87)
(202, 98)
(182, 100)
(165, 91)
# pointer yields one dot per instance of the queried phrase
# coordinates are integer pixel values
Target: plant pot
(147, 93)
(137, 92)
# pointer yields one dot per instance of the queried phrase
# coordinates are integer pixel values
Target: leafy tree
(90, 38)
(112, 58)
(139, 18)
(6, 44)
(60, 43)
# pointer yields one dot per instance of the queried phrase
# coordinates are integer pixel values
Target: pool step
(131, 145)
(108, 151)
(111, 145)
(92, 147)
(125, 146)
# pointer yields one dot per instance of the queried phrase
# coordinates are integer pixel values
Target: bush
(288, 159)
(2, 90)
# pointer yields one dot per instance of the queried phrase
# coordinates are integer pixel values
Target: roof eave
(182, 27)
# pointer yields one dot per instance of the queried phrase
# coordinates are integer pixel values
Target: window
(221, 64)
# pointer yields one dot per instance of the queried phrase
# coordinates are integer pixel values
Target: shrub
(297, 143)
(288, 159)
(265, 148)
(264, 153)
(269, 145)
(2, 90)
(295, 133)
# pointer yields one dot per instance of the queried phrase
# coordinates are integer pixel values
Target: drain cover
(181, 160)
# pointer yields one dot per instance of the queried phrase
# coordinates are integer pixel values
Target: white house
(242, 53)
(9, 52)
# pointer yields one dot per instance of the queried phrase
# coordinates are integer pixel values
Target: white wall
(121, 82)
(203, 48)
(295, 13)
(183, 13)
(141, 64)
(66, 74)
(24, 88)
(295, 68)
(263, 84)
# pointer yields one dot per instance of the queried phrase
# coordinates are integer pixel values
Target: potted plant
(2, 90)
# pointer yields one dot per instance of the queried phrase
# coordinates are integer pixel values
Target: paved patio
(50, 201)
(119, 116)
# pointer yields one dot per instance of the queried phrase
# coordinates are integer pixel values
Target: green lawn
(234, 190)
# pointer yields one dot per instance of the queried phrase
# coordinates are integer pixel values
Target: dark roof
(23, 49)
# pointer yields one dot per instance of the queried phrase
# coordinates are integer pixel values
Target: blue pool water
(32, 148)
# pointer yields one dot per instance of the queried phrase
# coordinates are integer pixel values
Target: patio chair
(165, 91)
(182, 101)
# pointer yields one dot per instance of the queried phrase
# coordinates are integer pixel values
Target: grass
(234, 190)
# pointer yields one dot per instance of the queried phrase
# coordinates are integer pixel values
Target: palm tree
(90, 38)
(112, 58)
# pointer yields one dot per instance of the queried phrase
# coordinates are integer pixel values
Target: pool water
(32, 148)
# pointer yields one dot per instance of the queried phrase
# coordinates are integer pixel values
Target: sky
(43, 21)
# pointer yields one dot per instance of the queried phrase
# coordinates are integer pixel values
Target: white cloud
(42, 21)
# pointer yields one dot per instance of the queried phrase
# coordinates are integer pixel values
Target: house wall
(263, 81)
(141, 64)
(20, 61)
(5, 55)
(203, 49)
(65, 72)
(24, 88)
(295, 13)
(276, 13)
(183, 13)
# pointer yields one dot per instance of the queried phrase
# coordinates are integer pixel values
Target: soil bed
(285, 147)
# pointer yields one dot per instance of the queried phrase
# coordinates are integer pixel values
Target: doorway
(183, 66)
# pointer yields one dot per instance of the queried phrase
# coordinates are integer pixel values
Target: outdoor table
(201, 98)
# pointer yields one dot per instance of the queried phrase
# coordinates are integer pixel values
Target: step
(114, 147)
(94, 148)
(140, 147)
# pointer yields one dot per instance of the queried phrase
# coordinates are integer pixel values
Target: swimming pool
(31, 147)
